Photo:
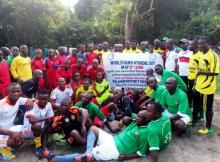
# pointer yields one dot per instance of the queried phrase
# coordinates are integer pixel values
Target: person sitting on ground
(177, 107)
(85, 87)
(73, 121)
(76, 83)
(59, 93)
(157, 91)
(35, 119)
(165, 74)
(93, 109)
(79, 68)
(159, 132)
(101, 87)
(129, 144)
(10, 135)
(30, 87)
(123, 104)
(65, 72)
(148, 91)
(94, 69)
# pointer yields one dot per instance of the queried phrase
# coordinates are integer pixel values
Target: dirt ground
(193, 148)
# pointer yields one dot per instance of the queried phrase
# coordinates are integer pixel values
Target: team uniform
(59, 95)
(93, 110)
(81, 70)
(66, 74)
(171, 57)
(93, 71)
(183, 62)
(159, 133)
(134, 51)
(177, 104)
(206, 85)
(159, 51)
(5, 79)
(90, 57)
(21, 68)
(157, 93)
(100, 88)
(38, 113)
(81, 89)
(72, 59)
(167, 74)
(8, 113)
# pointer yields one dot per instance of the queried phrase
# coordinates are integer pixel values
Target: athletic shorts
(184, 117)
(4, 138)
(106, 148)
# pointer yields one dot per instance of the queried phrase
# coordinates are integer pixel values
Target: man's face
(143, 45)
(15, 51)
(133, 45)
(39, 76)
(86, 84)
(63, 51)
(61, 82)
(141, 118)
(193, 45)
(184, 46)
(39, 54)
(74, 51)
(77, 76)
(24, 50)
(152, 83)
(51, 53)
(158, 70)
(85, 98)
(43, 99)
(95, 64)
(83, 48)
(127, 44)
(170, 85)
(150, 112)
(91, 47)
(64, 107)
(14, 93)
(79, 63)
(203, 45)
(105, 46)
(67, 64)
(99, 47)
(99, 76)
(151, 48)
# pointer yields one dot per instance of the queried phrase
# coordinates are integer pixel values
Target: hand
(29, 104)
(121, 156)
(83, 131)
(18, 139)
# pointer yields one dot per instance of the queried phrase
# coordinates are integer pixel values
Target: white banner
(128, 70)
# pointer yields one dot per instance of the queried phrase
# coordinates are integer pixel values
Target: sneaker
(205, 131)
(6, 154)
(38, 151)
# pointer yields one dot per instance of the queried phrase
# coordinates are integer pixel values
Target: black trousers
(190, 92)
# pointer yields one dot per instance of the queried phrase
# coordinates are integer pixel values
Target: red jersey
(106, 112)
(61, 59)
(37, 64)
(4, 78)
(82, 70)
(72, 59)
(92, 72)
(76, 84)
(66, 74)
(90, 57)
(51, 70)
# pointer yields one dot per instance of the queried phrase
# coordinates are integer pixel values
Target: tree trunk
(127, 26)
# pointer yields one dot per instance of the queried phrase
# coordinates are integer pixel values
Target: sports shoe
(205, 131)
(6, 154)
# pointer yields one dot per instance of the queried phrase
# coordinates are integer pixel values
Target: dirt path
(194, 148)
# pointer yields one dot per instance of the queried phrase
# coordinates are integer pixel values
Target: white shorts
(106, 149)
(4, 138)
(27, 132)
(185, 118)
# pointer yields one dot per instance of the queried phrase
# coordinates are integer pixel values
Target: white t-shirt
(59, 95)
(8, 112)
(183, 61)
(170, 60)
(38, 113)
(155, 56)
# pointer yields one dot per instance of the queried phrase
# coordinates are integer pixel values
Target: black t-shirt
(29, 88)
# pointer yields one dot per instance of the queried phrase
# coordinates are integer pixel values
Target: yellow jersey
(134, 51)
(21, 68)
(148, 91)
(82, 90)
(208, 62)
(193, 65)
(159, 51)
(126, 50)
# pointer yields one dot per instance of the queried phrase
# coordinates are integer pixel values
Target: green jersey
(10, 59)
(93, 110)
(157, 93)
(132, 140)
(176, 103)
(159, 133)
(167, 74)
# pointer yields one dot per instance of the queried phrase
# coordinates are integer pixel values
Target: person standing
(21, 66)
(91, 55)
(205, 87)
(4, 76)
(171, 56)
(14, 53)
(183, 60)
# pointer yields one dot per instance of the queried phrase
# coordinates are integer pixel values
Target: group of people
(68, 93)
